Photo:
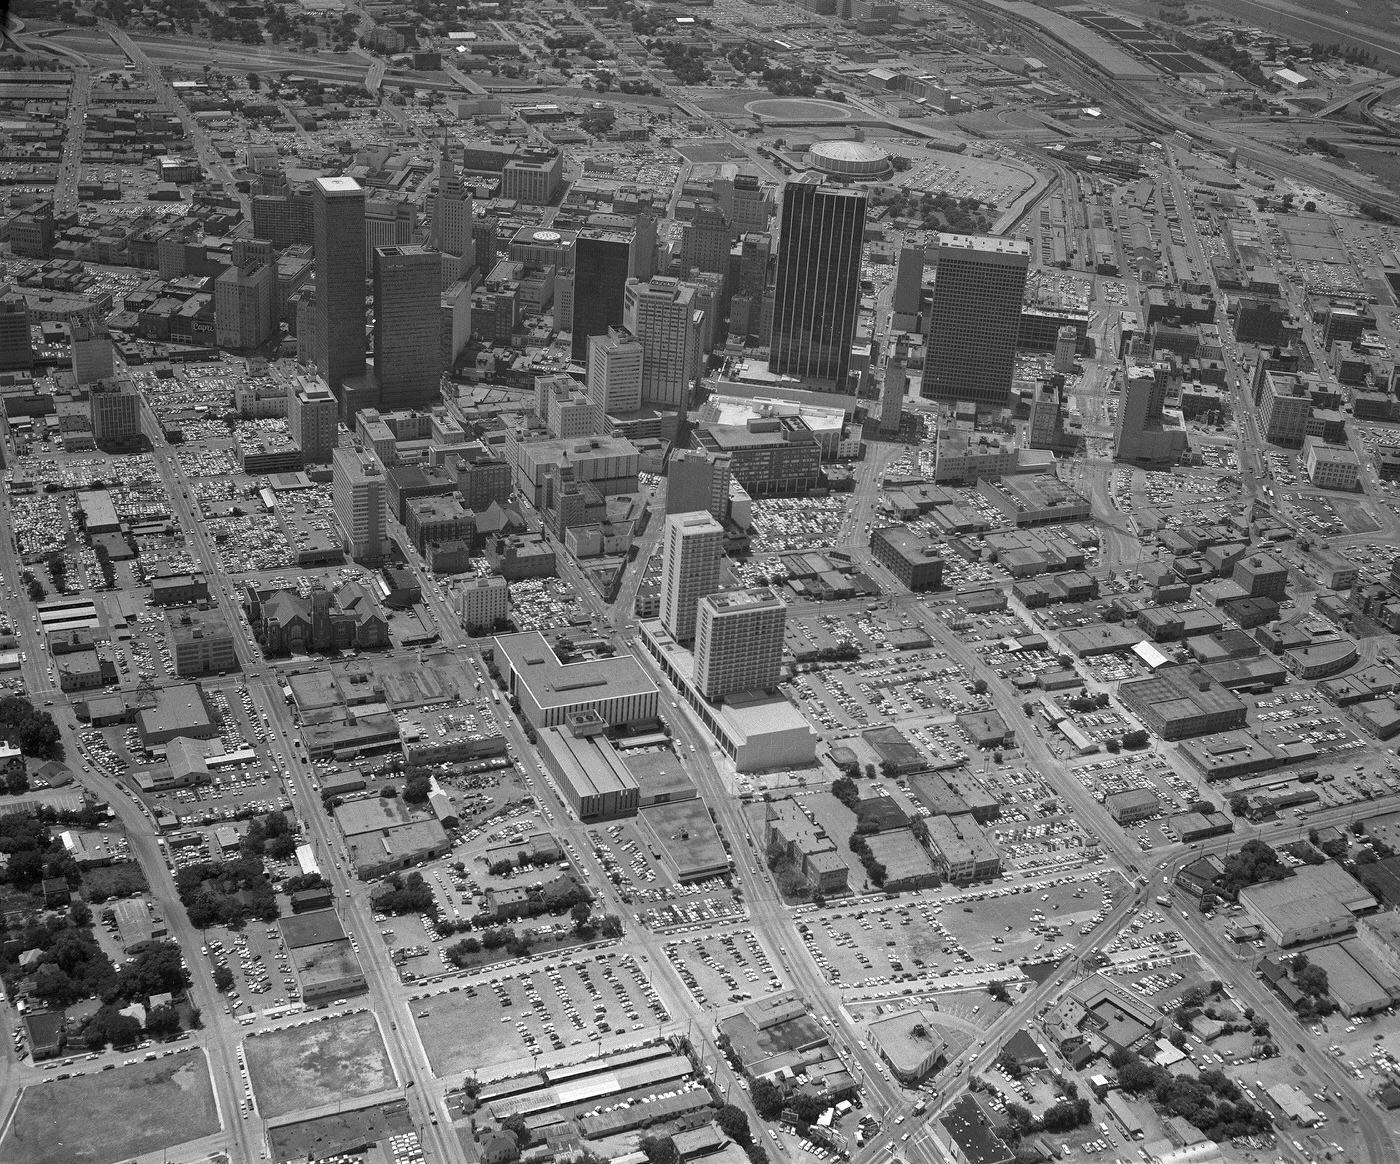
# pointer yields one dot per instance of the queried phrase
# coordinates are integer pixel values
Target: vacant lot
(318, 1062)
(112, 1115)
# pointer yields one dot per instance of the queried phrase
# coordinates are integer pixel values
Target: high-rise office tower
(892, 390)
(665, 314)
(749, 263)
(615, 372)
(92, 351)
(357, 487)
(739, 641)
(706, 240)
(407, 326)
(452, 210)
(698, 479)
(114, 410)
(691, 547)
(744, 202)
(16, 345)
(312, 420)
(388, 223)
(974, 318)
(604, 259)
(245, 297)
(339, 215)
(1145, 433)
(908, 281)
(817, 296)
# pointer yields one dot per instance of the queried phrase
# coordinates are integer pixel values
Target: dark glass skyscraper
(974, 319)
(338, 206)
(602, 262)
(818, 290)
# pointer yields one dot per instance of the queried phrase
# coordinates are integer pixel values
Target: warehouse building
(1177, 703)
(587, 770)
(1317, 902)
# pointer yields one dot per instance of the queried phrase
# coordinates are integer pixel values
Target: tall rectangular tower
(452, 209)
(602, 265)
(407, 326)
(16, 345)
(739, 641)
(665, 314)
(692, 544)
(615, 372)
(338, 206)
(358, 494)
(974, 318)
(817, 297)
(312, 420)
(698, 479)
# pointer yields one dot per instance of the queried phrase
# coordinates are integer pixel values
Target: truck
(1163, 899)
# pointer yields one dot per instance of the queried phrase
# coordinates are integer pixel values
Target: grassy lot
(113, 1115)
(314, 1063)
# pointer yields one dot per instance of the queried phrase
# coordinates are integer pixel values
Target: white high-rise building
(692, 545)
(615, 372)
(452, 210)
(313, 415)
(668, 317)
(739, 641)
(358, 489)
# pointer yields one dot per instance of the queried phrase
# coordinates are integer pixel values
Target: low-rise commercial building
(550, 690)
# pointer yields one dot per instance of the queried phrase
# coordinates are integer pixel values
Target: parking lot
(535, 1011)
(260, 965)
(724, 968)
(797, 523)
(936, 934)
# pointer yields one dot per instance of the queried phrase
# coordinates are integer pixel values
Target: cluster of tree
(33, 587)
(1352, 54)
(1376, 213)
(845, 790)
(226, 893)
(938, 210)
(687, 62)
(269, 836)
(873, 869)
(1224, 50)
(1252, 863)
(32, 853)
(1323, 146)
(598, 119)
(790, 81)
(1210, 1101)
(109, 1027)
(523, 860)
(732, 1121)
(1064, 1115)
(409, 894)
(29, 729)
(1312, 981)
(104, 563)
(299, 881)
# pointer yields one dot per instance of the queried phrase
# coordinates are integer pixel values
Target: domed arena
(850, 159)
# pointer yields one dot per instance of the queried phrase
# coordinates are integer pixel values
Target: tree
(979, 686)
(416, 788)
(845, 790)
(109, 1025)
(254, 82)
(162, 1022)
(579, 915)
(734, 1123)
(157, 968)
(767, 1099)
(659, 1149)
(223, 978)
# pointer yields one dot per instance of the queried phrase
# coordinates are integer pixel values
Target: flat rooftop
(552, 683)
